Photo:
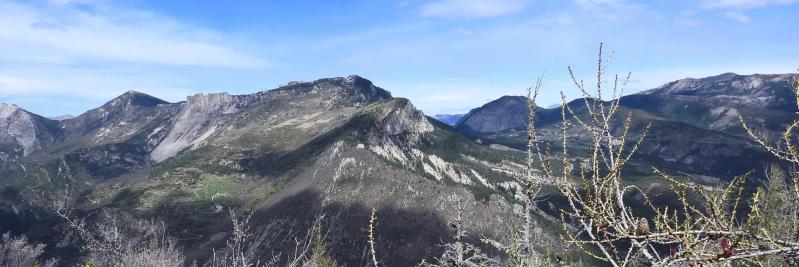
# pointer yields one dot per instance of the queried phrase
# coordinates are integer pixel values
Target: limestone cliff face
(17, 132)
(406, 119)
(198, 120)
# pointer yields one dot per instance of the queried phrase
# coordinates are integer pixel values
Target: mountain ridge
(259, 150)
(680, 108)
(284, 153)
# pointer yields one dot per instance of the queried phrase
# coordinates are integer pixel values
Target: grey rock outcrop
(17, 131)
(406, 119)
(197, 121)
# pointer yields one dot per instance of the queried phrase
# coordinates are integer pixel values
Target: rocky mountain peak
(134, 98)
(358, 88)
(727, 76)
(17, 131)
(352, 90)
(507, 100)
(7, 109)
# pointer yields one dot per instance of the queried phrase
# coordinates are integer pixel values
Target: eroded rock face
(203, 117)
(17, 131)
(196, 122)
(406, 119)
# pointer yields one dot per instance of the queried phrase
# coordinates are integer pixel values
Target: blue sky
(447, 56)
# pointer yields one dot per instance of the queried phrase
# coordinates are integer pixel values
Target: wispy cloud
(472, 8)
(610, 9)
(743, 4)
(105, 33)
(740, 17)
(74, 90)
(90, 83)
(88, 51)
(734, 9)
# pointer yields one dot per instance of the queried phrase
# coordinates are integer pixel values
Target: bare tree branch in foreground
(706, 230)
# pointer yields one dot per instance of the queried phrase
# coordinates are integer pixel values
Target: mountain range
(278, 152)
(344, 146)
(695, 125)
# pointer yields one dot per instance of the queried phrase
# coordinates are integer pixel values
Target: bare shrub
(781, 213)
(117, 239)
(16, 251)
(460, 253)
(247, 244)
(243, 247)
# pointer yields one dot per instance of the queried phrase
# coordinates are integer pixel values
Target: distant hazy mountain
(695, 125)
(62, 117)
(450, 119)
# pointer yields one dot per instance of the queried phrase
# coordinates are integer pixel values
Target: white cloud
(599, 4)
(688, 18)
(105, 33)
(740, 17)
(733, 9)
(611, 9)
(86, 51)
(73, 52)
(99, 84)
(743, 4)
(69, 2)
(472, 8)
(556, 20)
